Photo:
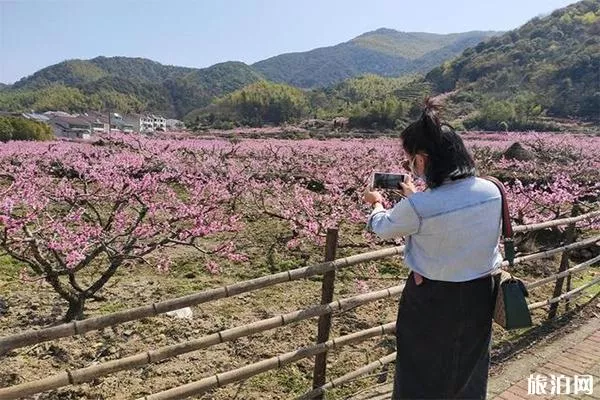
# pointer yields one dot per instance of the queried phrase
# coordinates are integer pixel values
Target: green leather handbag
(511, 310)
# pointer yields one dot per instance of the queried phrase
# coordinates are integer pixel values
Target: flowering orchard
(73, 213)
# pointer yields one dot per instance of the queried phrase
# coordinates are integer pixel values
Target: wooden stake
(324, 325)
(564, 262)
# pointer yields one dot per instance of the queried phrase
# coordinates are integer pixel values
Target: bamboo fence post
(568, 301)
(324, 325)
(564, 263)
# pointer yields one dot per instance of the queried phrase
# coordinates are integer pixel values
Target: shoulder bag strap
(507, 232)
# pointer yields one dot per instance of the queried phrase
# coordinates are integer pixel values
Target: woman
(452, 230)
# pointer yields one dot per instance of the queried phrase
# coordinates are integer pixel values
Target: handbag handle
(507, 232)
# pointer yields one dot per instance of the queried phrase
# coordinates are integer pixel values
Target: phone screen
(387, 181)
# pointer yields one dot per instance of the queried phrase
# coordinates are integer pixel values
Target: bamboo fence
(222, 379)
(87, 374)
(566, 295)
(80, 327)
(205, 384)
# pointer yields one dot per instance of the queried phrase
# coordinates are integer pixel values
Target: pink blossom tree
(76, 213)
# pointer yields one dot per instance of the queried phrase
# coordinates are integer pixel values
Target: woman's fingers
(372, 197)
(407, 188)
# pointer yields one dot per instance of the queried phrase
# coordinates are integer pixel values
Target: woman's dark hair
(447, 155)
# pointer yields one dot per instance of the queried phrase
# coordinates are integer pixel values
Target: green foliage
(348, 98)
(557, 57)
(368, 101)
(378, 114)
(52, 97)
(59, 97)
(261, 102)
(521, 113)
(16, 128)
(6, 130)
(200, 87)
(384, 52)
(124, 85)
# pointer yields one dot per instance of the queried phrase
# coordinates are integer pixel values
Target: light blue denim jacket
(452, 231)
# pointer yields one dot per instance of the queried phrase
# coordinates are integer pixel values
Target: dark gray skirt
(443, 339)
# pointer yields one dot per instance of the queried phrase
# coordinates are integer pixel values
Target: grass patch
(288, 380)
(10, 268)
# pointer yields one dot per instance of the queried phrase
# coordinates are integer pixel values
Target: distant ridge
(384, 52)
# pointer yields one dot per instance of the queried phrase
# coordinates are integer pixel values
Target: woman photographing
(452, 230)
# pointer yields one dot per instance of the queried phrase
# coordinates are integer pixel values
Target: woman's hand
(408, 187)
(372, 197)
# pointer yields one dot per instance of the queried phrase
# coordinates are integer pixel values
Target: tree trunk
(75, 310)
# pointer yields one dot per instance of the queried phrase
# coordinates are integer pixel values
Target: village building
(71, 127)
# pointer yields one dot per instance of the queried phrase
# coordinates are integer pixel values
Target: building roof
(65, 122)
(36, 117)
(131, 119)
(58, 114)
(95, 117)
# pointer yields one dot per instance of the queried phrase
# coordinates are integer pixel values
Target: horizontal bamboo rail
(570, 271)
(556, 222)
(80, 327)
(333, 383)
(138, 360)
(566, 295)
(551, 252)
(225, 378)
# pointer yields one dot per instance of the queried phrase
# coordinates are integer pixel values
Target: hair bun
(431, 109)
(431, 120)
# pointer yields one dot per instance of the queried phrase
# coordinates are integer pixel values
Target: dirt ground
(33, 305)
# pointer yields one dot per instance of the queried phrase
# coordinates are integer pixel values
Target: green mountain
(550, 63)
(384, 52)
(125, 84)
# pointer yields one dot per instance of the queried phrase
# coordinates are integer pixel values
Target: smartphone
(387, 181)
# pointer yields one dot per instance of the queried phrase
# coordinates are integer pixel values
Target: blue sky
(199, 33)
